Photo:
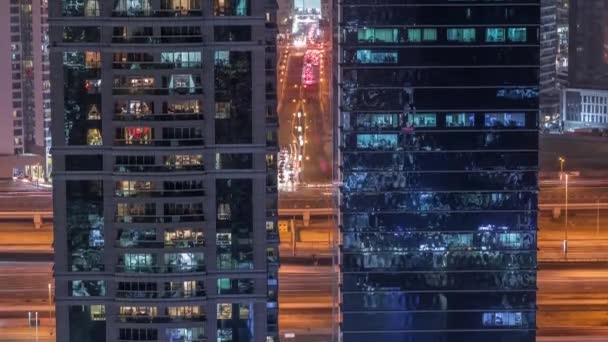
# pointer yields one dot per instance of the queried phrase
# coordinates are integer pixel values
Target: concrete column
(37, 221)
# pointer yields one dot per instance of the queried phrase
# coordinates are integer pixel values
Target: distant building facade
(588, 56)
(584, 109)
(553, 56)
(25, 110)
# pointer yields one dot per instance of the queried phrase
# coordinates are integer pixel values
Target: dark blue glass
(439, 147)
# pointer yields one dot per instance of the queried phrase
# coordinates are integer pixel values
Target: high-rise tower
(165, 194)
(25, 107)
(438, 111)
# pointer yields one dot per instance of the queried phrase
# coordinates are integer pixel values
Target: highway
(310, 98)
(23, 289)
(305, 302)
(305, 284)
(572, 302)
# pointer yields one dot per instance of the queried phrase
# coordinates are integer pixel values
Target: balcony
(168, 269)
(157, 91)
(160, 219)
(159, 193)
(167, 294)
(155, 66)
(160, 319)
(159, 117)
(159, 142)
(158, 168)
(139, 244)
(184, 243)
(157, 39)
(162, 13)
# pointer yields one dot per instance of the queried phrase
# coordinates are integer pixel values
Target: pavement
(572, 302)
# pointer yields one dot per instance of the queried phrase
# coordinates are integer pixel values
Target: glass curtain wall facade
(165, 208)
(438, 120)
(588, 55)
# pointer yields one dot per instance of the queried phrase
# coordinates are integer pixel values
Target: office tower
(25, 88)
(588, 55)
(164, 185)
(439, 142)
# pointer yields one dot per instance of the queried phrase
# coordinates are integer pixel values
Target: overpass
(306, 213)
(36, 215)
(573, 206)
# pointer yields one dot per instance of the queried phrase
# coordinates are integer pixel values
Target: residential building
(438, 119)
(549, 90)
(554, 57)
(164, 184)
(25, 88)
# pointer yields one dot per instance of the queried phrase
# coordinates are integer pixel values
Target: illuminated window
(378, 35)
(87, 8)
(92, 86)
(244, 311)
(223, 239)
(231, 7)
(138, 311)
(93, 113)
(98, 312)
(414, 35)
(463, 35)
(270, 226)
(377, 141)
(183, 238)
(182, 59)
(505, 120)
(135, 135)
(517, 34)
(222, 110)
(133, 7)
(94, 137)
(182, 84)
(495, 35)
(429, 34)
(424, 120)
(223, 211)
(224, 311)
(92, 60)
(139, 262)
(88, 288)
(376, 57)
(460, 120)
(184, 311)
(502, 319)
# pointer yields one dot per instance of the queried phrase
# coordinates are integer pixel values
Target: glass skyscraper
(165, 197)
(438, 119)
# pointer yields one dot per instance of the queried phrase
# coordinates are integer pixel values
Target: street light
(566, 221)
(29, 322)
(561, 167)
(50, 303)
